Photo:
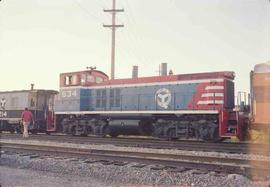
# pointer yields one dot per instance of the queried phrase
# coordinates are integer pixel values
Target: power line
(84, 9)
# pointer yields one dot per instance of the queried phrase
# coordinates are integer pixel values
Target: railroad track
(249, 168)
(239, 148)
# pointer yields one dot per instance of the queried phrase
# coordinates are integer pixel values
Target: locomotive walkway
(237, 148)
(171, 162)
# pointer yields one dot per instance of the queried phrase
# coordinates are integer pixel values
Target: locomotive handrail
(140, 112)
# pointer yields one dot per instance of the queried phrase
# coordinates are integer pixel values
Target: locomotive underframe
(167, 126)
(9, 125)
(14, 125)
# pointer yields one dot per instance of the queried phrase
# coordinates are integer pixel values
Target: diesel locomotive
(167, 106)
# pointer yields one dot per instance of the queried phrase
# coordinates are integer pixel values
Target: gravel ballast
(24, 170)
(35, 178)
(29, 170)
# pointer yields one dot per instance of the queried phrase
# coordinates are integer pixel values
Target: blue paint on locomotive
(68, 100)
(85, 97)
(73, 99)
(145, 98)
(127, 98)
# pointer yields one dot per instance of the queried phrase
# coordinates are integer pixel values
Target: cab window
(99, 80)
(83, 79)
(90, 78)
(70, 80)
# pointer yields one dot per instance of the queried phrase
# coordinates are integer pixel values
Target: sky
(39, 39)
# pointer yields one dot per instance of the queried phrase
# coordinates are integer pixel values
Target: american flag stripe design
(214, 88)
(212, 95)
(207, 102)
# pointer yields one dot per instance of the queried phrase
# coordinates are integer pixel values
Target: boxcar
(260, 97)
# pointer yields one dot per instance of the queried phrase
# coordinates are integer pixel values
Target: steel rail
(242, 148)
(249, 168)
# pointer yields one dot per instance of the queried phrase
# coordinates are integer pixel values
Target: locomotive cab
(82, 78)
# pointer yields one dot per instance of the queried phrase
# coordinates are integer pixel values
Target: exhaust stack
(135, 70)
(163, 69)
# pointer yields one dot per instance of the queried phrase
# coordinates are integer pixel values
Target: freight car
(167, 106)
(260, 98)
(40, 103)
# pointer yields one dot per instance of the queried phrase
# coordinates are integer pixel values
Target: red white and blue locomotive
(167, 106)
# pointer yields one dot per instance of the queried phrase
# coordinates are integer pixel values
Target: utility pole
(113, 26)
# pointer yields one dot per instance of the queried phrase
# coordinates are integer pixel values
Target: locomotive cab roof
(83, 78)
(93, 77)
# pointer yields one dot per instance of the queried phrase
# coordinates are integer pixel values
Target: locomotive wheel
(158, 132)
(210, 135)
(107, 131)
(34, 131)
(73, 131)
(113, 135)
(18, 130)
(217, 138)
(171, 134)
(12, 130)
